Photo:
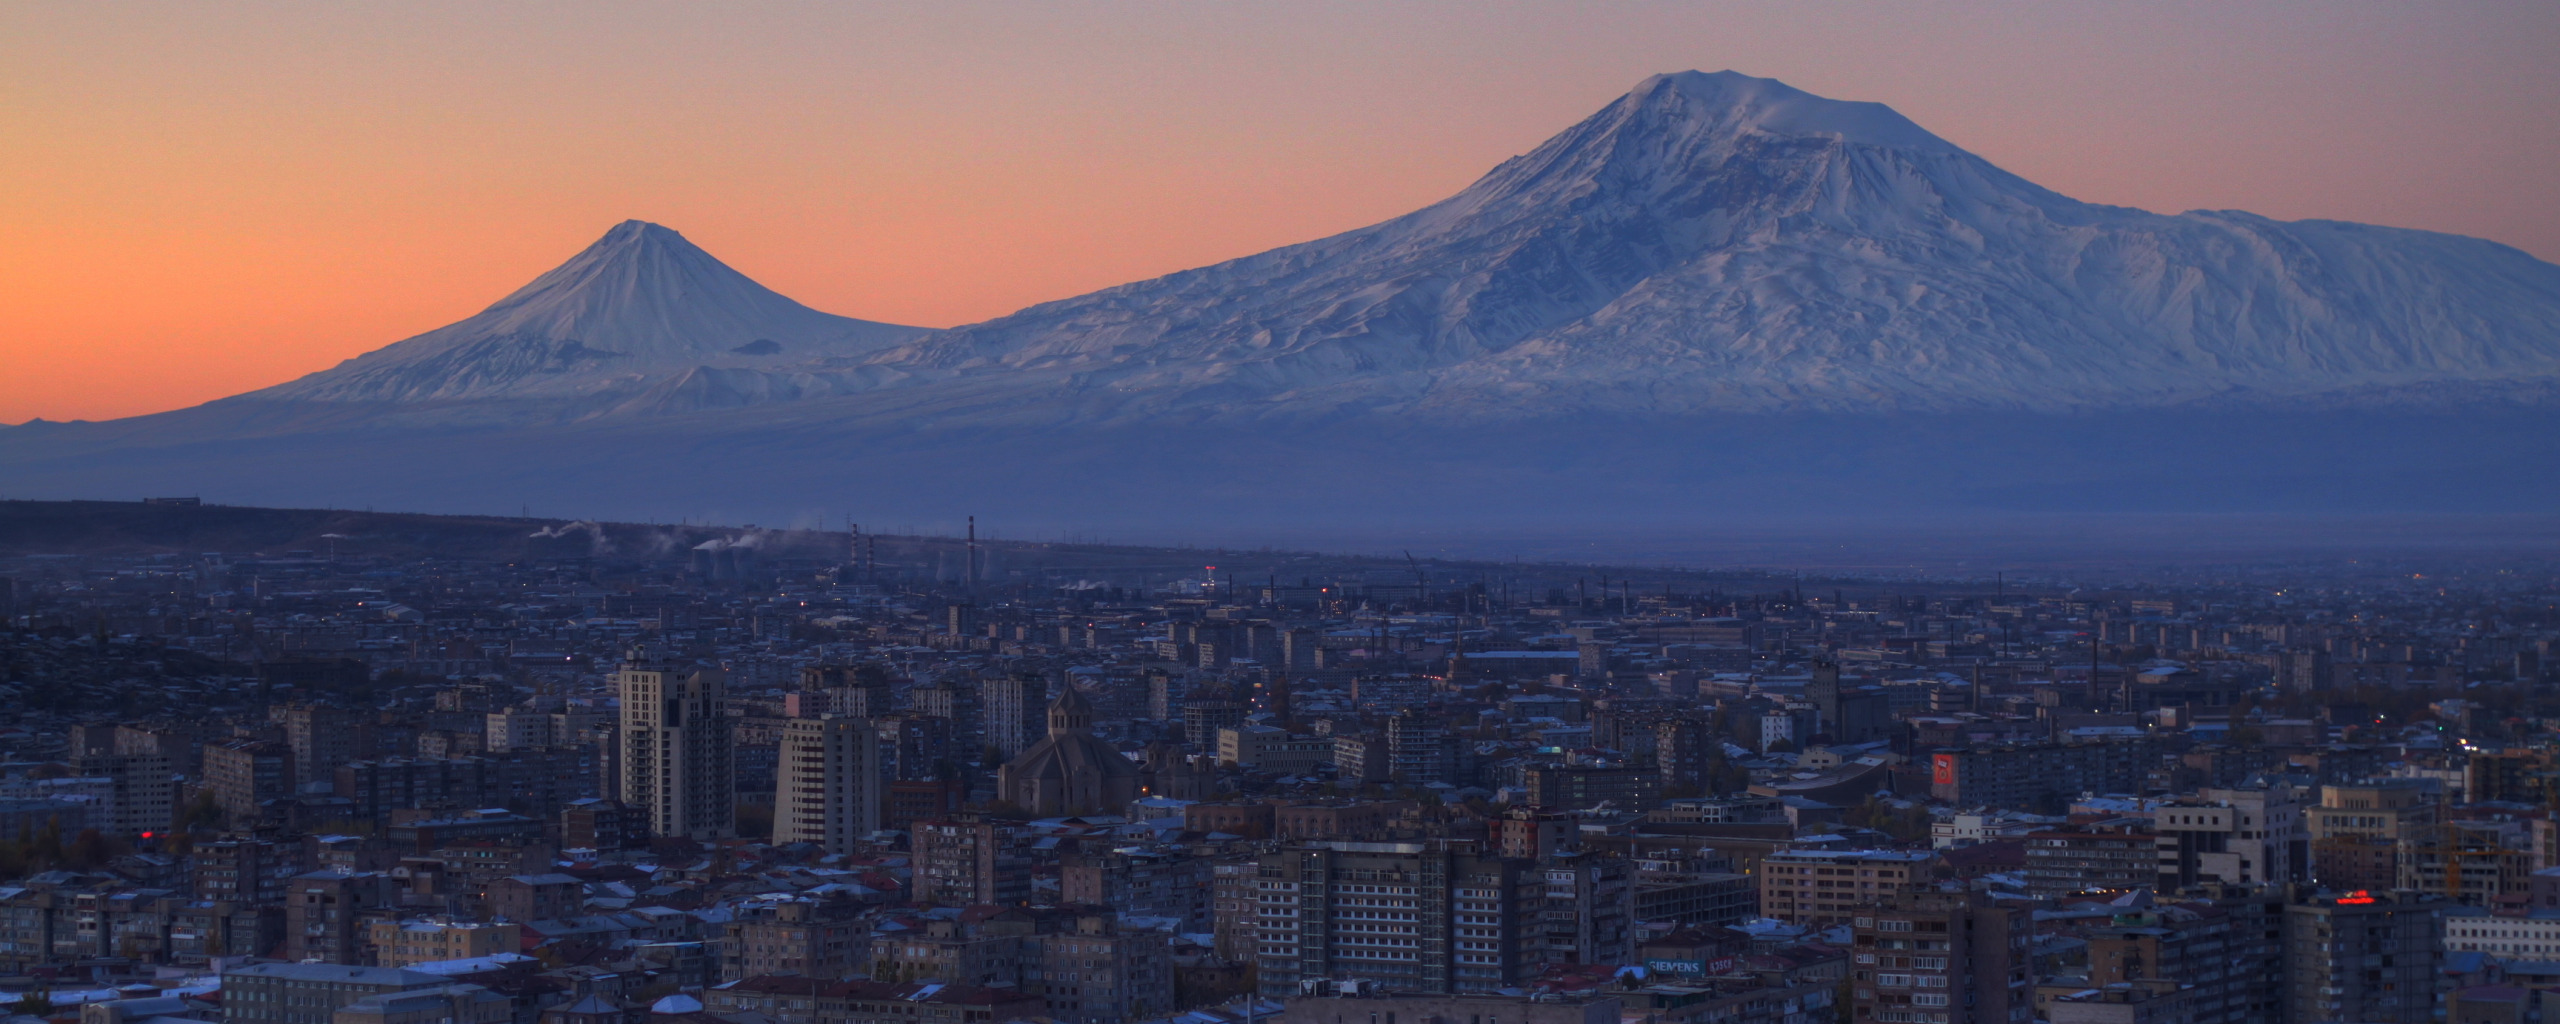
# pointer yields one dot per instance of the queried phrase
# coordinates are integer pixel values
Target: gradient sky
(200, 199)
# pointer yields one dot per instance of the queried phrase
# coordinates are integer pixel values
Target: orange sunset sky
(200, 199)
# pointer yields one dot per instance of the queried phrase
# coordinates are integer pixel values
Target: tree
(36, 1003)
(88, 851)
(755, 820)
(201, 812)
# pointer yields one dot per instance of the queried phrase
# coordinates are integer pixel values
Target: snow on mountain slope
(1716, 242)
(640, 307)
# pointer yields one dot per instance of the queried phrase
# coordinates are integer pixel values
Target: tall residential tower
(677, 770)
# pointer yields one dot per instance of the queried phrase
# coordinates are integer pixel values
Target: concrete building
(1360, 759)
(2040, 776)
(1419, 1009)
(1588, 915)
(326, 912)
(828, 789)
(2241, 836)
(1264, 748)
(677, 764)
(442, 1004)
(1582, 786)
(244, 774)
(274, 993)
(426, 940)
(2092, 860)
(2156, 1001)
(1940, 958)
(322, 738)
(143, 793)
(965, 860)
(1408, 917)
(827, 1001)
(1420, 750)
(518, 729)
(1827, 887)
(1098, 974)
(801, 936)
(2195, 946)
(1268, 748)
(2363, 956)
(1013, 705)
(2535, 936)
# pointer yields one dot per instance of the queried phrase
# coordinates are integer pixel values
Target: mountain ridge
(1717, 292)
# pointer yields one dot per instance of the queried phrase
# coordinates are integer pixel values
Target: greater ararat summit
(1716, 242)
(1704, 291)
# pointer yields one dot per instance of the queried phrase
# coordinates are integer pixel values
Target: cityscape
(847, 776)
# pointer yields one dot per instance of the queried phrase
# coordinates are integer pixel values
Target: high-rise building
(2194, 945)
(955, 705)
(1683, 747)
(1164, 695)
(244, 774)
(1410, 917)
(828, 787)
(1209, 710)
(1589, 912)
(1298, 650)
(322, 738)
(1939, 958)
(677, 768)
(144, 791)
(2362, 956)
(1014, 706)
(1420, 750)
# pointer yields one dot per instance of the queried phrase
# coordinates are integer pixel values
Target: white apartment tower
(827, 787)
(676, 759)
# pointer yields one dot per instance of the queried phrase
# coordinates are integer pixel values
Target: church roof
(1065, 755)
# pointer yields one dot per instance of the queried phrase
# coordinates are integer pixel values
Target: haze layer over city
(1001, 513)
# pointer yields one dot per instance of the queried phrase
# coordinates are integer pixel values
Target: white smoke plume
(597, 542)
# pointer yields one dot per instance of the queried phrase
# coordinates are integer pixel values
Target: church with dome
(1070, 772)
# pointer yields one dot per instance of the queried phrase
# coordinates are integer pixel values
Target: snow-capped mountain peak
(639, 305)
(1730, 102)
(1718, 242)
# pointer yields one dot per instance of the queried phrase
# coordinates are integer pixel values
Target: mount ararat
(1717, 298)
